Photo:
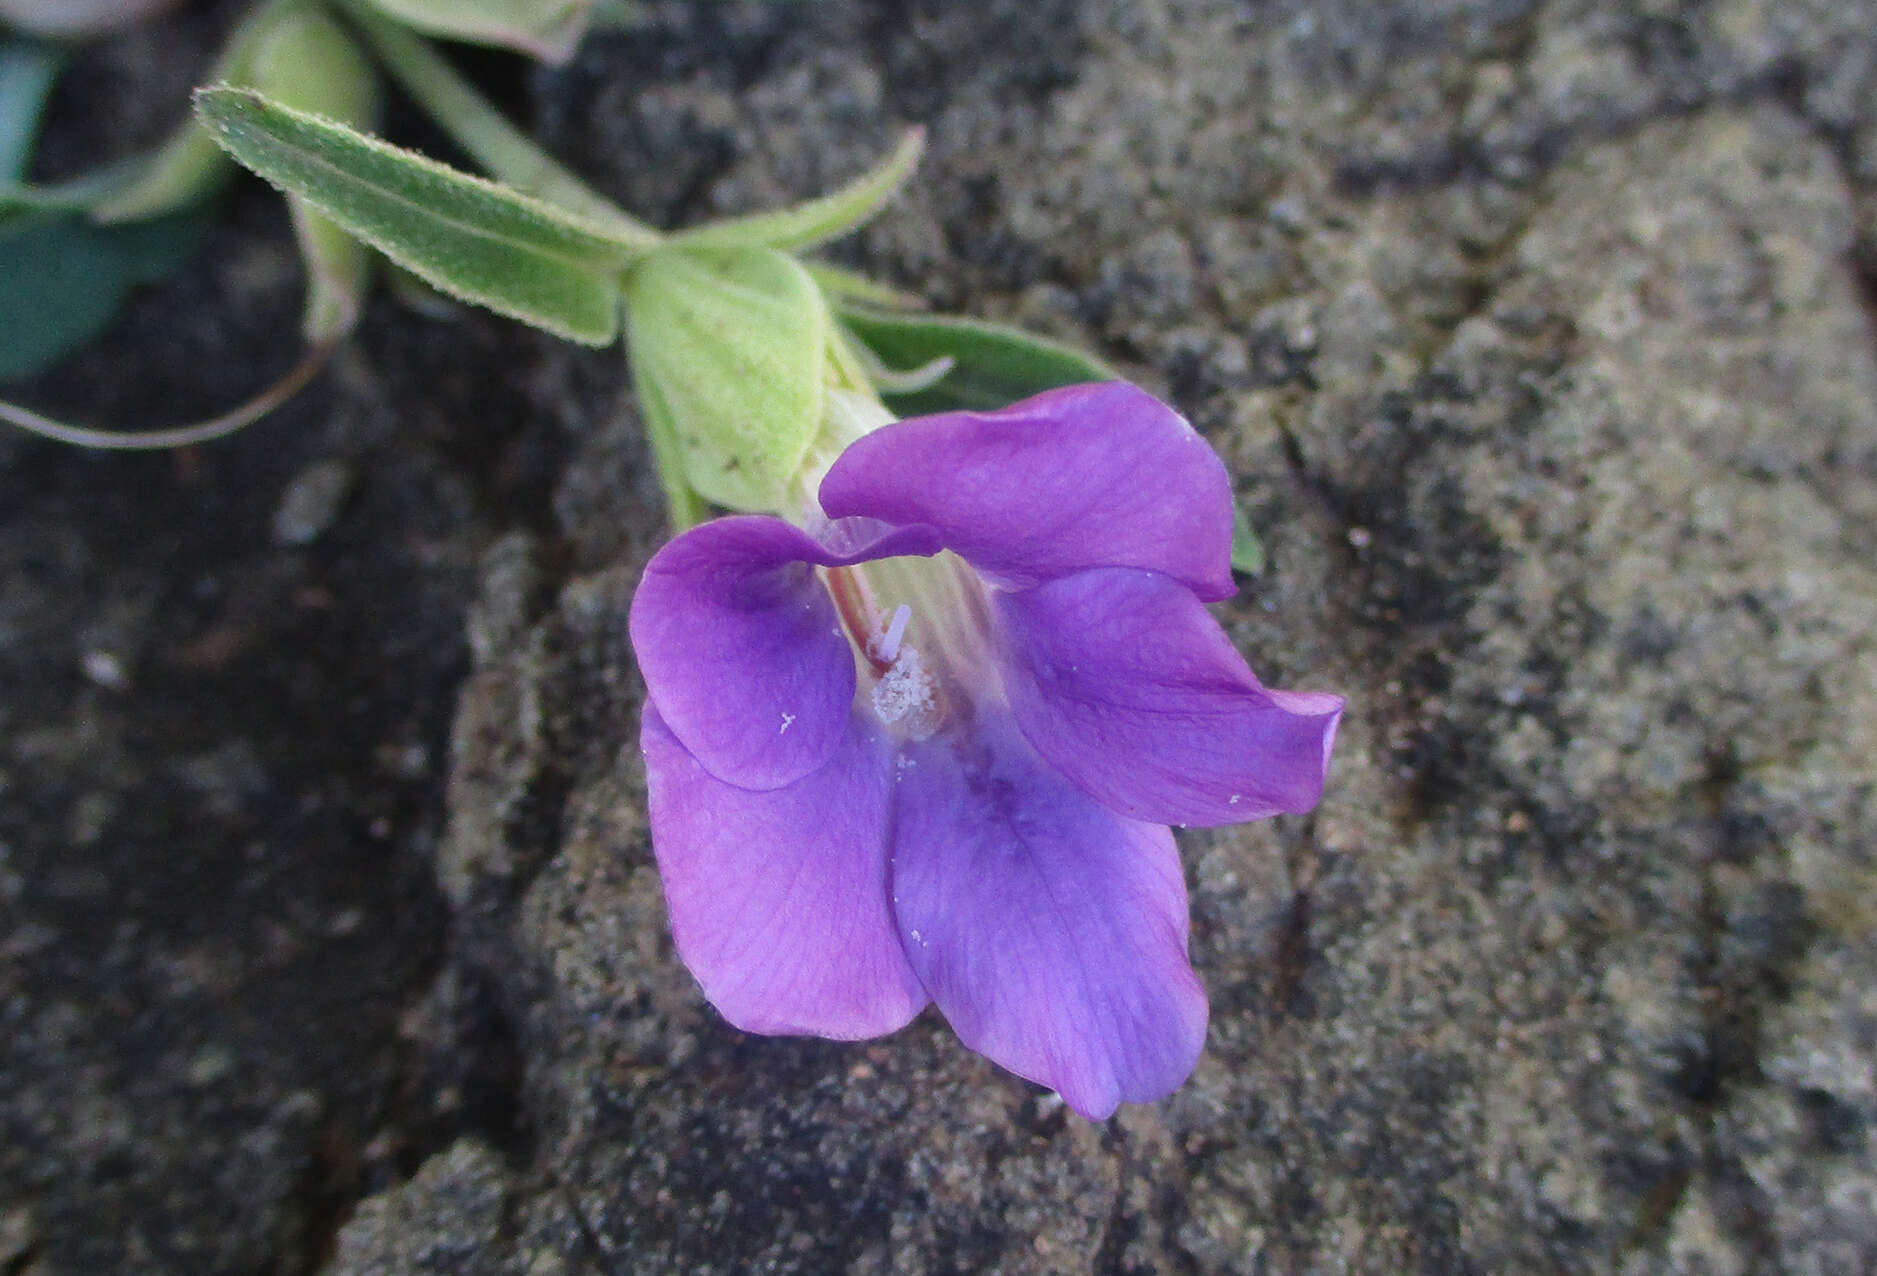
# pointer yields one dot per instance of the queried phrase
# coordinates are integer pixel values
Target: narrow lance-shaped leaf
(546, 29)
(991, 365)
(733, 346)
(469, 237)
(818, 220)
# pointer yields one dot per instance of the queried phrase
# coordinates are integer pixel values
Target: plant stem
(475, 125)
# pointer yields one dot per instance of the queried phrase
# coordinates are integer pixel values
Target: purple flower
(931, 752)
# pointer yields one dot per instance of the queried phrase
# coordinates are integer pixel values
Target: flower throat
(917, 627)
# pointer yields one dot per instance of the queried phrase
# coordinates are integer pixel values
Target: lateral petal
(741, 649)
(1126, 684)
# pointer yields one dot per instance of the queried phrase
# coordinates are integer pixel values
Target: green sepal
(1247, 549)
(545, 29)
(817, 220)
(683, 506)
(847, 287)
(306, 61)
(730, 349)
(992, 365)
(468, 237)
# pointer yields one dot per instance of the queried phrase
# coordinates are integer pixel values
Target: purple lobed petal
(741, 649)
(1100, 475)
(1050, 931)
(778, 899)
(1126, 684)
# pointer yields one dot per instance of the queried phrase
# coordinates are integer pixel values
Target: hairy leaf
(469, 237)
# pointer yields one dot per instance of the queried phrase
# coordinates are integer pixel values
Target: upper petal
(1050, 931)
(778, 900)
(1101, 475)
(741, 649)
(1126, 684)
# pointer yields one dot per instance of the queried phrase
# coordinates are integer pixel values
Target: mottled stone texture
(1538, 340)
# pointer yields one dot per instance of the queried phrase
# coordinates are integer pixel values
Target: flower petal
(1126, 684)
(741, 649)
(1051, 932)
(778, 900)
(1101, 475)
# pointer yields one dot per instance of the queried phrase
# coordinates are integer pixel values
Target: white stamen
(905, 692)
(787, 720)
(885, 647)
(1232, 801)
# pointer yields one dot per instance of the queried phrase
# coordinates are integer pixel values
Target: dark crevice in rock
(1289, 994)
(1793, 89)
(1463, 158)
(1744, 967)
(1119, 1227)
(1656, 1205)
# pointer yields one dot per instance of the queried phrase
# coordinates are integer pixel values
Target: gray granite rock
(1536, 340)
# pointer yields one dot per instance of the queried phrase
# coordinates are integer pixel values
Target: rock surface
(1539, 341)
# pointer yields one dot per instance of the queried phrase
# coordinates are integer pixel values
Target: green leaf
(546, 29)
(1247, 549)
(62, 278)
(992, 365)
(27, 72)
(817, 220)
(466, 236)
(730, 349)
